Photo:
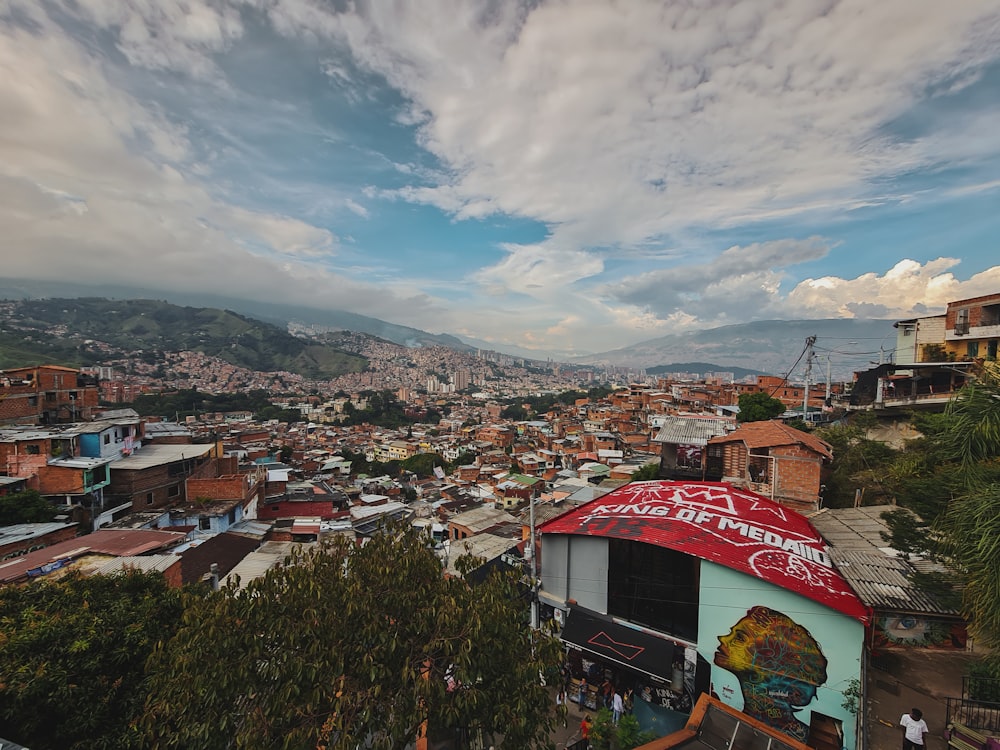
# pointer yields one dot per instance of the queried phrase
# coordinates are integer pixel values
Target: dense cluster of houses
(671, 588)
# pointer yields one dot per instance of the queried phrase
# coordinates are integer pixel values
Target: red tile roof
(771, 434)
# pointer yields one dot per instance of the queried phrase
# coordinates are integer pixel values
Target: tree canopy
(649, 471)
(348, 645)
(72, 655)
(25, 507)
(757, 407)
(970, 523)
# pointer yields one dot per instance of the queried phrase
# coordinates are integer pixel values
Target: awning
(612, 642)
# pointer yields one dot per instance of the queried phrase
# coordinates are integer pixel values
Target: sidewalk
(921, 678)
(562, 737)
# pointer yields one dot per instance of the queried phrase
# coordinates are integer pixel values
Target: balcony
(959, 333)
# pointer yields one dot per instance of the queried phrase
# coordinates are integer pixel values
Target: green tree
(858, 463)
(25, 507)
(625, 735)
(516, 412)
(72, 652)
(758, 407)
(423, 464)
(971, 524)
(628, 735)
(353, 645)
(649, 471)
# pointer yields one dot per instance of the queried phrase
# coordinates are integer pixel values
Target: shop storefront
(658, 677)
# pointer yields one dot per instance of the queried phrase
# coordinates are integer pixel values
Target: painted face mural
(779, 665)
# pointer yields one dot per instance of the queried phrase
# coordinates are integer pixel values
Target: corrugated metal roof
(258, 562)
(486, 546)
(142, 563)
(117, 542)
(884, 582)
(689, 431)
(157, 455)
(21, 531)
(876, 572)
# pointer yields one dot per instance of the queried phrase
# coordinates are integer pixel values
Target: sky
(566, 177)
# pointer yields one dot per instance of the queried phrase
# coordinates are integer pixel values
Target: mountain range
(91, 330)
(772, 346)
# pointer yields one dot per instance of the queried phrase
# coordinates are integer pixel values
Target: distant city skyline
(566, 177)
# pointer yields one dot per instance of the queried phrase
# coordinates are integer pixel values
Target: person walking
(914, 729)
(585, 727)
(617, 706)
(606, 690)
(582, 698)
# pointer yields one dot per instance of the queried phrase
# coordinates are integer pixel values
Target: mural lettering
(779, 666)
(599, 517)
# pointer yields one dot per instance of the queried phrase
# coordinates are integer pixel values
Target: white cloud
(908, 289)
(536, 270)
(631, 131)
(738, 280)
(96, 187)
(356, 208)
(181, 35)
(615, 123)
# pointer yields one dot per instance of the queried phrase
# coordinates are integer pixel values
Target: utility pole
(809, 365)
(531, 554)
(827, 399)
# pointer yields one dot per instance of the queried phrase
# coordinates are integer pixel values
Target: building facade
(674, 589)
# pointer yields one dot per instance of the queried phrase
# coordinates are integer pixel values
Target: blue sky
(568, 177)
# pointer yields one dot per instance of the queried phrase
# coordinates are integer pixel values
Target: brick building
(772, 459)
(972, 328)
(155, 476)
(46, 394)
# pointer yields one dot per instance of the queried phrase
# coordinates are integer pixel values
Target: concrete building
(675, 589)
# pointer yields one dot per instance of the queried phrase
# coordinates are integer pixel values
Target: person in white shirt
(617, 706)
(914, 729)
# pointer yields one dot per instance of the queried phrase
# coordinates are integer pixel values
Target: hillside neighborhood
(685, 556)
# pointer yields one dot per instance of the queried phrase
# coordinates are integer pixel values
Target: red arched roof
(722, 524)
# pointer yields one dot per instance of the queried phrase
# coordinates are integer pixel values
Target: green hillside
(60, 329)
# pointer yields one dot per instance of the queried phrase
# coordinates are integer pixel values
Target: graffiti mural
(779, 666)
(920, 632)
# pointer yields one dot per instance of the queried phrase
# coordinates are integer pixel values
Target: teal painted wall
(777, 653)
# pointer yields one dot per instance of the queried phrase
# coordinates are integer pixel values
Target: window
(653, 586)
(972, 349)
(962, 321)
(32, 400)
(205, 523)
(173, 491)
(32, 449)
(149, 498)
(107, 439)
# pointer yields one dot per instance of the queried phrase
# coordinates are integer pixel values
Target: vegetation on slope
(154, 326)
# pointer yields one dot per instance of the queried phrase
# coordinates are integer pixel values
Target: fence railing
(983, 716)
